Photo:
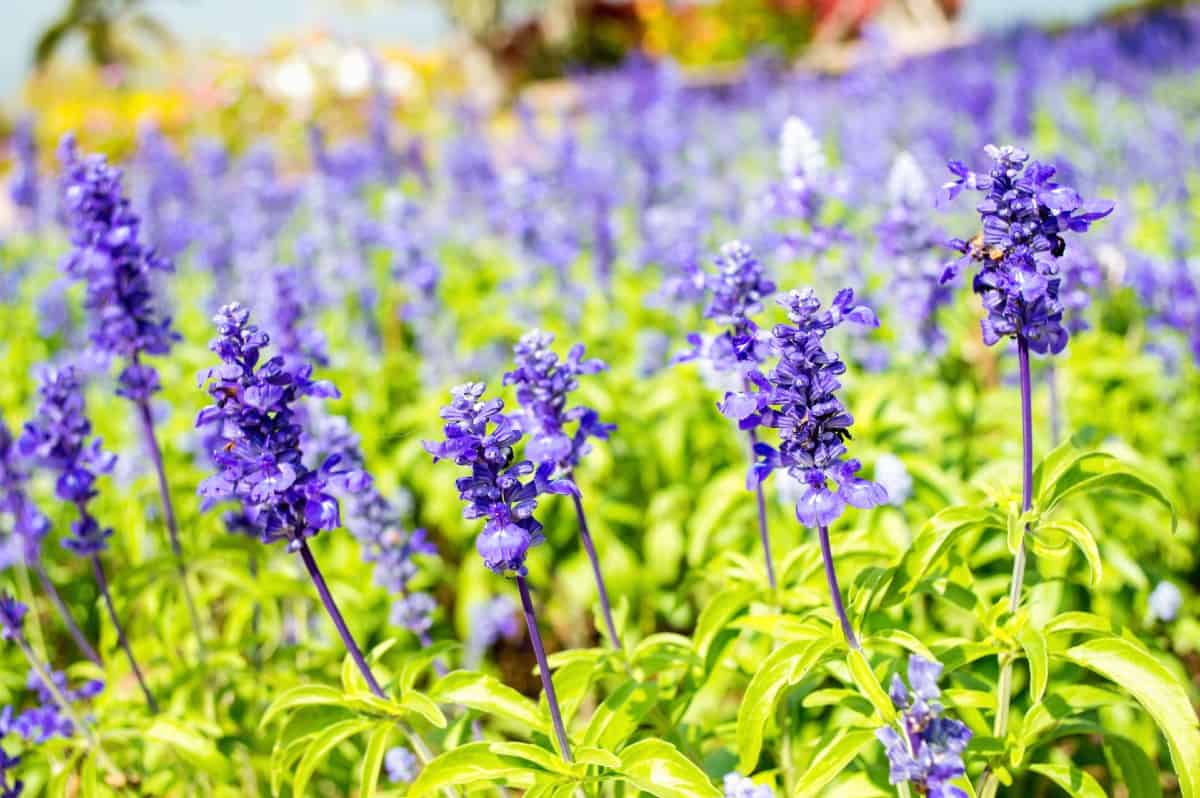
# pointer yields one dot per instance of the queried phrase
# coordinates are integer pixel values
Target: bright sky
(248, 24)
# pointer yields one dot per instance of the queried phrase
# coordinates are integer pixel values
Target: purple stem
(763, 534)
(590, 547)
(539, 651)
(834, 590)
(164, 493)
(1026, 424)
(63, 610)
(335, 615)
(102, 582)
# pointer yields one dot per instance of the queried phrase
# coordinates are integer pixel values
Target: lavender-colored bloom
(23, 185)
(739, 786)
(799, 398)
(260, 460)
(544, 384)
(1165, 602)
(1024, 214)
(927, 750)
(479, 435)
(489, 622)
(293, 295)
(12, 616)
(401, 765)
(166, 195)
(58, 439)
(108, 256)
(29, 525)
(738, 289)
(414, 612)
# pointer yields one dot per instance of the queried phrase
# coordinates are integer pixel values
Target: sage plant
(58, 438)
(1024, 214)
(30, 527)
(799, 399)
(504, 491)
(544, 384)
(109, 257)
(259, 460)
(738, 289)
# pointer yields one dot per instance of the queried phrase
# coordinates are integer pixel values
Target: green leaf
(1137, 772)
(716, 617)
(1034, 644)
(1062, 703)
(1085, 542)
(193, 748)
(935, 538)
(1158, 691)
(1063, 458)
(318, 750)
(372, 762)
(1072, 779)
(424, 706)
(868, 684)
(488, 694)
(656, 767)
(590, 755)
(1116, 476)
(620, 715)
(471, 764)
(571, 684)
(831, 758)
(549, 761)
(780, 670)
(305, 695)
(417, 662)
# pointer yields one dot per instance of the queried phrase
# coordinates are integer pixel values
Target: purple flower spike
(1024, 214)
(927, 751)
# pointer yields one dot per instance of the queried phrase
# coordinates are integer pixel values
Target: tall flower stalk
(58, 439)
(738, 289)
(108, 256)
(259, 460)
(504, 491)
(799, 399)
(544, 384)
(1024, 214)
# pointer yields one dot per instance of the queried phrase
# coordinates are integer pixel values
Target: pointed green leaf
(868, 684)
(1137, 772)
(318, 750)
(1158, 691)
(935, 538)
(1085, 542)
(1076, 782)
(490, 695)
(372, 762)
(832, 757)
(782, 669)
(1034, 644)
(474, 763)
(657, 767)
(619, 716)
(305, 695)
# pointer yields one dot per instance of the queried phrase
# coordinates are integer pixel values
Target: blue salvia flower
(544, 384)
(489, 622)
(10, 786)
(500, 489)
(59, 438)
(739, 786)
(12, 617)
(799, 398)
(401, 765)
(738, 290)
(166, 192)
(1024, 214)
(108, 256)
(260, 462)
(24, 187)
(910, 244)
(926, 750)
(291, 299)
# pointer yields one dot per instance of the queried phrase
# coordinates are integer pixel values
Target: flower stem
(102, 583)
(164, 493)
(763, 534)
(590, 548)
(1004, 686)
(335, 615)
(834, 590)
(539, 651)
(63, 610)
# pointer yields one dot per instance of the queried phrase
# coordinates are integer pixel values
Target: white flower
(800, 153)
(906, 182)
(891, 473)
(1165, 602)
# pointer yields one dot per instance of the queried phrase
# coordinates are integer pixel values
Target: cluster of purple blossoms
(544, 383)
(401, 765)
(738, 289)
(108, 256)
(260, 461)
(29, 524)
(57, 439)
(1024, 213)
(799, 398)
(739, 786)
(489, 622)
(501, 488)
(927, 750)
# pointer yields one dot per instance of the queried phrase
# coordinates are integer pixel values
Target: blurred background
(95, 64)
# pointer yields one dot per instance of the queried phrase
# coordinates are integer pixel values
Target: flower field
(796, 435)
